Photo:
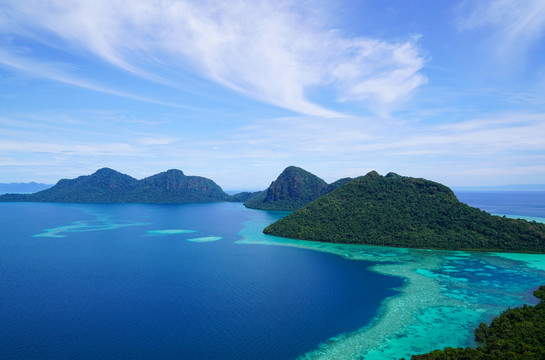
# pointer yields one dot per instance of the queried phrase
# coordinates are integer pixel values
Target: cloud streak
(62, 73)
(518, 24)
(275, 52)
(504, 142)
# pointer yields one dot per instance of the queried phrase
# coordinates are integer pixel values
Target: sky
(235, 91)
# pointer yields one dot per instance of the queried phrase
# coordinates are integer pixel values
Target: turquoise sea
(201, 281)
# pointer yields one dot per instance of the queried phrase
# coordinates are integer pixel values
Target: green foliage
(110, 186)
(293, 189)
(406, 212)
(335, 185)
(243, 196)
(515, 334)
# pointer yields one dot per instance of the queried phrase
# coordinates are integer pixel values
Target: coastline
(445, 295)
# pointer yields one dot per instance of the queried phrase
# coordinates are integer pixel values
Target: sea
(201, 281)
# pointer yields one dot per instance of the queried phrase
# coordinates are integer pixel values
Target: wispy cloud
(517, 24)
(118, 149)
(274, 51)
(62, 72)
(505, 141)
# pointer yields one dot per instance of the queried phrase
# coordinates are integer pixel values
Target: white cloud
(274, 51)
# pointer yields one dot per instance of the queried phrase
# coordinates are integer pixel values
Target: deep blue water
(104, 283)
(526, 203)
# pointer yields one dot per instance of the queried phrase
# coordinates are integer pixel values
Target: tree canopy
(400, 211)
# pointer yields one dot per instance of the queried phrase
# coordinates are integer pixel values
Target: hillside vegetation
(110, 186)
(399, 211)
(293, 189)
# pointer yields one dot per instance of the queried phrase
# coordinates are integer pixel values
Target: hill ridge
(107, 185)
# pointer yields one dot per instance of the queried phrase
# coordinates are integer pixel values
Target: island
(293, 189)
(110, 186)
(401, 211)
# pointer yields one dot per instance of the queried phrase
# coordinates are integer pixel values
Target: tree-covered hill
(334, 185)
(243, 196)
(399, 211)
(516, 334)
(293, 189)
(110, 186)
(173, 186)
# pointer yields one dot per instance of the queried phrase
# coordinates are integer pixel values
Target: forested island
(110, 186)
(400, 211)
(515, 334)
(293, 189)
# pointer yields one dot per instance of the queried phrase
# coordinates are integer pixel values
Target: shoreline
(439, 299)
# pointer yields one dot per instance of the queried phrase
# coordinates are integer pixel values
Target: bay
(112, 281)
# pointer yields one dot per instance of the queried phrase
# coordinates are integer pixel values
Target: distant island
(515, 334)
(293, 189)
(400, 211)
(110, 186)
(22, 188)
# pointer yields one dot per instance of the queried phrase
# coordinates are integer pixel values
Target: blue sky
(453, 91)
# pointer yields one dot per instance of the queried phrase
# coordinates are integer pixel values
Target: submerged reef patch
(169, 232)
(99, 223)
(206, 239)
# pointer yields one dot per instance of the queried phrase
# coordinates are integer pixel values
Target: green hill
(335, 185)
(399, 211)
(110, 186)
(243, 196)
(173, 186)
(293, 189)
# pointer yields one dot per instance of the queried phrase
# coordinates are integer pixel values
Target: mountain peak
(175, 172)
(105, 171)
(372, 174)
(294, 188)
